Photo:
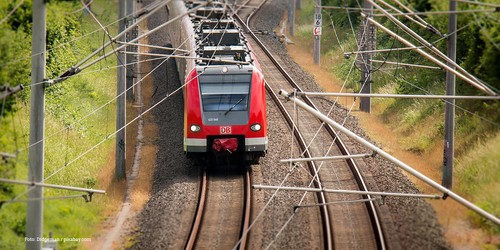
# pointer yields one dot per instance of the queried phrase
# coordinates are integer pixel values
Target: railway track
(223, 212)
(345, 226)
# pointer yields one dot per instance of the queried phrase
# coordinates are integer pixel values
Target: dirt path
(141, 154)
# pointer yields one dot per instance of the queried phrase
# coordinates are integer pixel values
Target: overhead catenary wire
(347, 54)
(486, 34)
(456, 106)
(441, 12)
(68, 42)
(409, 10)
(76, 69)
(106, 104)
(73, 70)
(446, 192)
(84, 6)
(409, 15)
(405, 64)
(464, 74)
(12, 11)
(115, 132)
(474, 83)
(81, 66)
(187, 57)
(399, 96)
(479, 3)
(316, 174)
(93, 111)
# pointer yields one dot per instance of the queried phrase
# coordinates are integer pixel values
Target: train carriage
(224, 93)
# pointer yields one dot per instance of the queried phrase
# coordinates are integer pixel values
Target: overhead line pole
(317, 37)
(121, 99)
(131, 58)
(291, 16)
(449, 122)
(366, 43)
(34, 210)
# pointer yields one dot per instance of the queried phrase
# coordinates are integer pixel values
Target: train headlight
(195, 128)
(256, 127)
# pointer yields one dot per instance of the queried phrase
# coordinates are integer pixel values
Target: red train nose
(225, 144)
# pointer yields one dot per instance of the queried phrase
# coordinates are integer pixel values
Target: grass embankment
(73, 125)
(415, 125)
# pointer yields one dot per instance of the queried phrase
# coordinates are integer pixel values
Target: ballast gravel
(167, 216)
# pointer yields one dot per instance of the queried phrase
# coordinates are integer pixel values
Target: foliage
(73, 122)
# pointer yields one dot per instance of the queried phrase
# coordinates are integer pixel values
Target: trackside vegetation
(79, 113)
(420, 123)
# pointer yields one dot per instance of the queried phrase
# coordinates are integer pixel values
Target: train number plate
(224, 130)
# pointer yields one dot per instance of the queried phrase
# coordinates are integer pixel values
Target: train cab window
(225, 92)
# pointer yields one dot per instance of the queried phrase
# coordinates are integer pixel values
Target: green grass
(478, 176)
(67, 103)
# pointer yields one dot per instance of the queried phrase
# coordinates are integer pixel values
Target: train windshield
(225, 92)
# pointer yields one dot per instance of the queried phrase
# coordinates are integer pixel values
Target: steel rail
(195, 229)
(200, 211)
(371, 207)
(247, 211)
(327, 227)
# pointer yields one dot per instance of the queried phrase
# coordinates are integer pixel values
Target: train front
(225, 113)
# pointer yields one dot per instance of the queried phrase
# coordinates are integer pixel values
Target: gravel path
(167, 216)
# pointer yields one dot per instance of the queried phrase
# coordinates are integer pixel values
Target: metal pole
(130, 58)
(366, 64)
(449, 122)
(317, 40)
(291, 16)
(34, 211)
(120, 101)
(405, 167)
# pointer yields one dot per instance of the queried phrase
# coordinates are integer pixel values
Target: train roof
(219, 40)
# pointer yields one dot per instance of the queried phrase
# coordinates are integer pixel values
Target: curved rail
(247, 211)
(371, 208)
(199, 212)
(325, 216)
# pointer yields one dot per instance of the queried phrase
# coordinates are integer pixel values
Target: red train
(224, 94)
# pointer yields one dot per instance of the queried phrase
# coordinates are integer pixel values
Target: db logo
(225, 130)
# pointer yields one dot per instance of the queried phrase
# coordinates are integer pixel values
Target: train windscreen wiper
(238, 102)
